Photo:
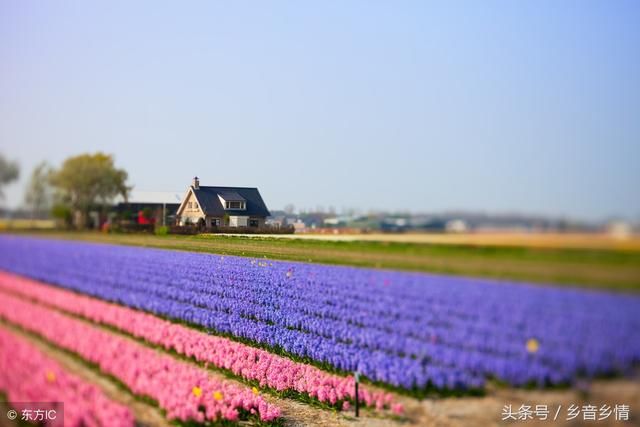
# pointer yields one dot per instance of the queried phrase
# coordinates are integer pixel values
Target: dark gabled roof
(212, 206)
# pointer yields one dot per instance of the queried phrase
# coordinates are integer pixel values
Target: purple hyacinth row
(404, 329)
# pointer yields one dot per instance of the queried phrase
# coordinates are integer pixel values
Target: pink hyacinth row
(28, 375)
(270, 370)
(180, 388)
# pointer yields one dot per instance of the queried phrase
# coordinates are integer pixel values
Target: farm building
(161, 205)
(222, 206)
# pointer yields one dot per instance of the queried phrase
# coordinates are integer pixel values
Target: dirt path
(488, 410)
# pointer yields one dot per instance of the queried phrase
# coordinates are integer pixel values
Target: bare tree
(9, 172)
(38, 195)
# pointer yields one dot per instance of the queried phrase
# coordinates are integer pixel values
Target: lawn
(594, 268)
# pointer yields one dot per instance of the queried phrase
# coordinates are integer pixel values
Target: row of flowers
(267, 369)
(184, 391)
(408, 330)
(28, 375)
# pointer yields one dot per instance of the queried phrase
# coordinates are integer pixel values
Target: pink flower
(25, 374)
(178, 387)
(397, 408)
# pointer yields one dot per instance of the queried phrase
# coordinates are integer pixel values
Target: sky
(514, 106)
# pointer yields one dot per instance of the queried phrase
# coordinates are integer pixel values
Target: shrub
(131, 227)
(183, 229)
(162, 231)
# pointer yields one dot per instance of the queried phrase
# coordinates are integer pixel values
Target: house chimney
(196, 183)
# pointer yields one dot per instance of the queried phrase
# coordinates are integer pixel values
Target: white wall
(194, 214)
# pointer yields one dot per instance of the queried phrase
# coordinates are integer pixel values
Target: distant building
(163, 206)
(619, 229)
(395, 225)
(222, 206)
(338, 221)
(299, 226)
(456, 226)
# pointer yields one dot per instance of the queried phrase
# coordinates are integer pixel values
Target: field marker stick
(357, 398)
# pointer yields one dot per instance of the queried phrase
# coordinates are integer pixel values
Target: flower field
(249, 363)
(179, 388)
(28, 375)
(297, 329)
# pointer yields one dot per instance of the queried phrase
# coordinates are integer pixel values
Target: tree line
(82, 184)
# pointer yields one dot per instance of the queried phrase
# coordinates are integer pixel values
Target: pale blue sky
(496, 106)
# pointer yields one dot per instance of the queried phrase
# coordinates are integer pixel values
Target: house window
(189, 205)
(215, 222)
(195, 205)
(235, 205)
(253, 223)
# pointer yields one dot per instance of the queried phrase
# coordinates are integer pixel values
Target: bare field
(26, 224)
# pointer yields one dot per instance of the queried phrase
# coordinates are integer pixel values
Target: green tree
(89, 181)
(38, 196)
(9, 172)
(62, 213)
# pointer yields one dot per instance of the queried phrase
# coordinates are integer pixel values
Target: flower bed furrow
(28, 375)
(252, 364)
(185, 392)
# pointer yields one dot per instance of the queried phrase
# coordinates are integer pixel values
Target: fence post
(357, 397)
